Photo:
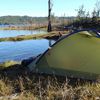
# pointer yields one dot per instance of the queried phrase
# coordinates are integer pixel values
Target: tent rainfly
(75, 55)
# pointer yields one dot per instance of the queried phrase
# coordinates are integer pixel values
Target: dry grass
(29, 27)
(47, 88)
(29, 86)
(34, 36)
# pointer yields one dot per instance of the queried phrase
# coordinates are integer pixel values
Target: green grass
(8, 63)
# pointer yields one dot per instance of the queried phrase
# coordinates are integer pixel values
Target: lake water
(22, 49)
(13, 33)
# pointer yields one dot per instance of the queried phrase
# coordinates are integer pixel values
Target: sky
(40, 7)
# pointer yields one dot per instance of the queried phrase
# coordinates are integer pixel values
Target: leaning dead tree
(49, 16)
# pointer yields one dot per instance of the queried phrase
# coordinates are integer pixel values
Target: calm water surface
(22, 50)
(13, 33)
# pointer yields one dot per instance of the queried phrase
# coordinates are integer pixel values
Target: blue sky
(40, 7)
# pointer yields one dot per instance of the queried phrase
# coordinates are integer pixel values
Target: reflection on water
(23, 49)
(51, 42)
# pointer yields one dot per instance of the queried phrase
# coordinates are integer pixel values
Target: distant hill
(27, 19)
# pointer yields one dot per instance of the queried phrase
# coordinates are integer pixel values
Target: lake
(20, 50)
(13, 33)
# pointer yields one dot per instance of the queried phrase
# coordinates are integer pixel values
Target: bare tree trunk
(49, 17)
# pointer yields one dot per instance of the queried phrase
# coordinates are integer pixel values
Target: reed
(29, 27)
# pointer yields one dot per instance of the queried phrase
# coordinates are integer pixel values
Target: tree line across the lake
(31, 20)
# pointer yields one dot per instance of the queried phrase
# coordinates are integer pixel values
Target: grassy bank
(18, 84)
(34, 36)
(32, 87)
(29, 27)
(8, 64)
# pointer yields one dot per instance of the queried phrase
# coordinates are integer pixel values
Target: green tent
(75, 55)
